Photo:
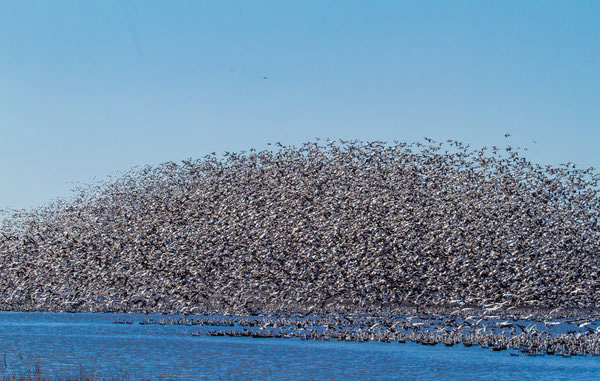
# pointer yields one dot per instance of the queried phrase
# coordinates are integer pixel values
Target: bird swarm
(329, 227)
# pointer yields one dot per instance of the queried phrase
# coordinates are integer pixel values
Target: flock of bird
(332, 228)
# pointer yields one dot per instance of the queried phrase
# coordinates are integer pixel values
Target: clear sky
(89, 88)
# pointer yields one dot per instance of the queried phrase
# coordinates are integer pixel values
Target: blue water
(64, 344)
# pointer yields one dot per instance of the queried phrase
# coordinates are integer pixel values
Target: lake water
(62, 344)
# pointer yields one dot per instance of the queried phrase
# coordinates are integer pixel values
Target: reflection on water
(64, 343)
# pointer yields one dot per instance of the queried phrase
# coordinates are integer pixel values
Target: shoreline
(574, 335)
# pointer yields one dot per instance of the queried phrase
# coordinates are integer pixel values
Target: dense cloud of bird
(329, 227)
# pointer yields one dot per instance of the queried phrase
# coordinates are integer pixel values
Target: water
(62, 344)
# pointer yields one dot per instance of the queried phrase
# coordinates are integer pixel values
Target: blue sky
(89, 88)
